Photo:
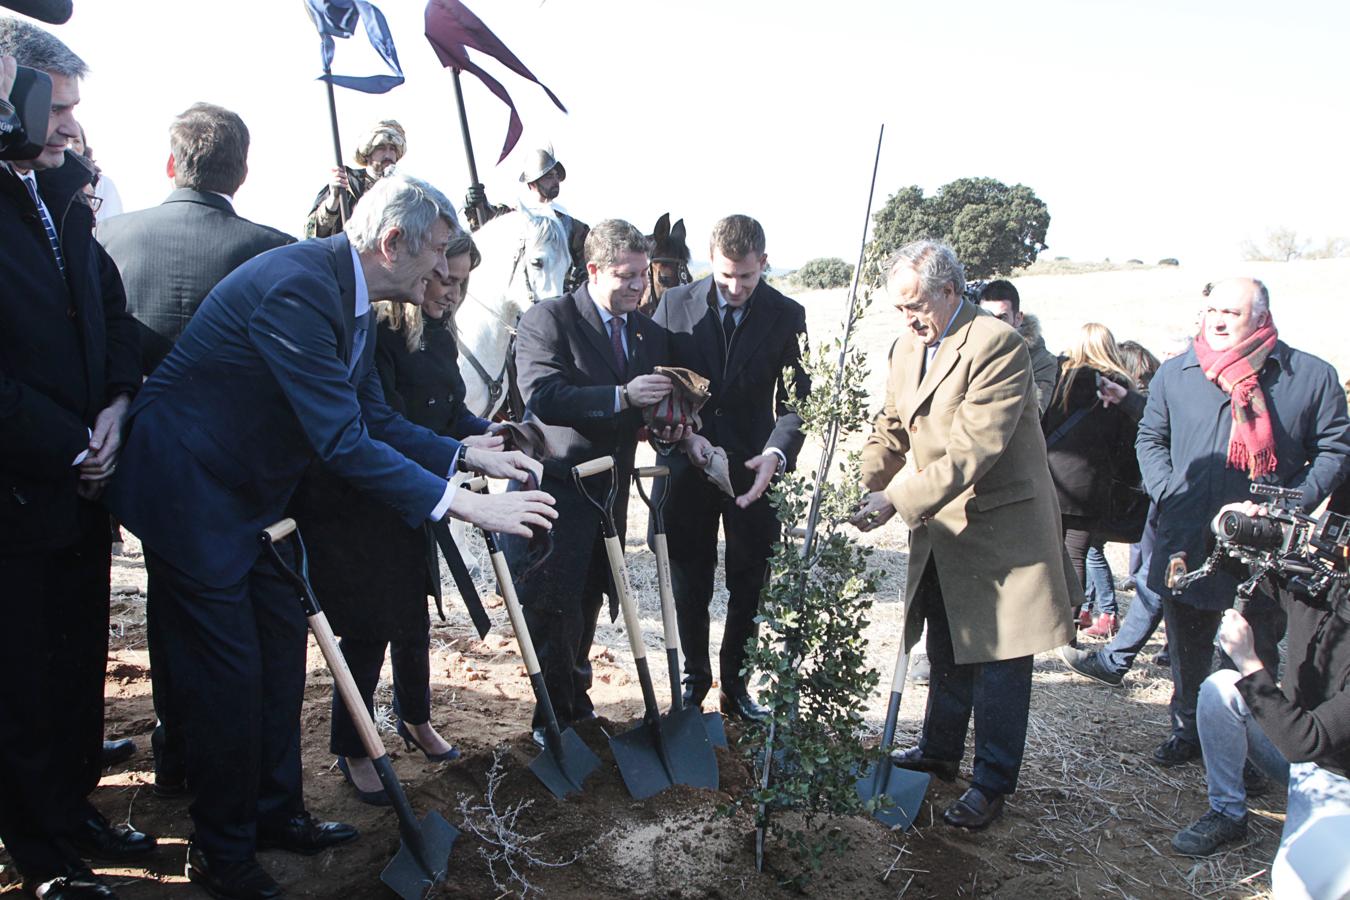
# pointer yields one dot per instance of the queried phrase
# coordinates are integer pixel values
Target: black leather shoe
(973, 810)
(96, 837)
(694, 696)
(242, 880)
(78, 884)
(1175, 751)
(740, 706)
(115, 752)
(305, 835)
(914, 760)
(169, 786)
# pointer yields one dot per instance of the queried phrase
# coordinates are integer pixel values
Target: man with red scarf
(1239, 407)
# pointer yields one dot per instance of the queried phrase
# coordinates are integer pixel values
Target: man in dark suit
(739, 333)
(273, 373)
(172, 255)
(585, 361)
(67, 373)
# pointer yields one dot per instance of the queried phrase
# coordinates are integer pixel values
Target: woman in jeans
(1090, 428)
(372, 572)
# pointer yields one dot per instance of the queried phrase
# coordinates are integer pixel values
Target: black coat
(67, 347)
(567, 376)
(371, 571)
(1098, 447)
(172, 255)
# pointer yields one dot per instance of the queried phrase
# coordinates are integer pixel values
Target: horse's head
(545, 256)
(669, 261)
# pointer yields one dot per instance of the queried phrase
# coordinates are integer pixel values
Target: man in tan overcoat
(987, 568)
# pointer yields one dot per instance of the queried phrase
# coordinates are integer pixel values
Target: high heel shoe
(410, 741)
(374, 798)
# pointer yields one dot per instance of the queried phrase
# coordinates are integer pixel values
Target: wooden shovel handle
(631, 624)
(507, 588)
(477, 484)
(346, 684)
(651, 471)
(278, 531)
(593, 467)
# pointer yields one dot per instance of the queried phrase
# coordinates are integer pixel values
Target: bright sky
(1150, 128)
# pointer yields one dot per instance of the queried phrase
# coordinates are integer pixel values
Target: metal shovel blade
(717, 732)
(685, 738)
(637, 752)
(905, 789)
(562, 772)
(412, 872)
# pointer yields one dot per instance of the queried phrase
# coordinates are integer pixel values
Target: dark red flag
(452, 28)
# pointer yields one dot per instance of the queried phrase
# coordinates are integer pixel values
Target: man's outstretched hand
(513, 512)
(510, 464)
(876, 511)
(765, 466)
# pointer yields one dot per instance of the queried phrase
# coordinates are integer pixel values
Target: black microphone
(55, 12)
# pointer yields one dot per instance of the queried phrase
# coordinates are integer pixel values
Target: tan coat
(980, 499)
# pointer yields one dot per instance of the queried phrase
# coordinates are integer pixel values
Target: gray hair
(403, 202)
(612, 238)
(31, 46)
(934, 262)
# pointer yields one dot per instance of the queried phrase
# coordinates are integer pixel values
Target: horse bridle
(497, 386)
(684, 274)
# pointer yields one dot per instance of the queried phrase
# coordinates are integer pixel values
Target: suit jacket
(980, 502)
(172, 255)
(747, 412)
(256, 389)
(67, 347)
(567, 376)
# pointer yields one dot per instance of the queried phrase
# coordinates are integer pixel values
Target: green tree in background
(993, 228)
(824, 273)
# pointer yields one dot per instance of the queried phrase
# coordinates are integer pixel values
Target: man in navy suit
(274, 372)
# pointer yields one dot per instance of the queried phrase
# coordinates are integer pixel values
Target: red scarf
(1252, 445)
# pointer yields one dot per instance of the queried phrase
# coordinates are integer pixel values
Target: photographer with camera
(1299, 736)
(1237, 408)
(68, 367)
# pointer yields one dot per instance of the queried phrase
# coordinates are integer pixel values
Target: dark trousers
(1145, 612)
(998, 693)
(562, 640)
(167, 741)
(237, 655)
(694, 508)
(1190, 639)
(412, 686)
(55, 608)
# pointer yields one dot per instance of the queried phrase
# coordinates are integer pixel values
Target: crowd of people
(200, 376)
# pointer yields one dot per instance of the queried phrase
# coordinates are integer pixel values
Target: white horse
(525, 260)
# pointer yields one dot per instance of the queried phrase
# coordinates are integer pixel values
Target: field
(1093, 817)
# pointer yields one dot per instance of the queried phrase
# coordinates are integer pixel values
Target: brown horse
(670, 262)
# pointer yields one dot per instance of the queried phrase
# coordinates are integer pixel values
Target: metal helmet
(538, 165)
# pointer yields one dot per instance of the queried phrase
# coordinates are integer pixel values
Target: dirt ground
(1092, 817)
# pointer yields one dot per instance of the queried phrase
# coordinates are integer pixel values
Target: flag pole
(477, 215)
(337, 141)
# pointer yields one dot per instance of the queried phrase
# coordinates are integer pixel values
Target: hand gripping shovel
(424, 853)
(712, 721)
(566, 760)
(661, 751)
(904, 787)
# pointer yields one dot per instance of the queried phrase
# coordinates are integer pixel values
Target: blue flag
(338, 18)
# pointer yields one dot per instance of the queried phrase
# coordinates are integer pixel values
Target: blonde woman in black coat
(1090, 428)
(371, 571)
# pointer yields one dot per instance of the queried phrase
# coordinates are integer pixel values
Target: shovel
(712, 721)
(424, 853)
(904, 787)
(660, 752)
(566, 760)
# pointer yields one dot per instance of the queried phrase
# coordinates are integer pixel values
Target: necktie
(358, 340)
(46, 223)
(616, 341)
(729, 324)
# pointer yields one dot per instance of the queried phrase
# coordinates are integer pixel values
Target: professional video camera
(23, 116)
(1310, 554)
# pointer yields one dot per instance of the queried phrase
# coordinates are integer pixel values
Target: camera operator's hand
(1235, 637)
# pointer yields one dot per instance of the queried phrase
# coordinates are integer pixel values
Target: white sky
(1151, 128)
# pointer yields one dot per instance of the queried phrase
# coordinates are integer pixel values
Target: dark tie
(358, 340)
(729, 324)
(616, 341)
(46, 223)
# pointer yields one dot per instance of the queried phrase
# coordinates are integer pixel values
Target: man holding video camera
(1239, 407)
(68, 367)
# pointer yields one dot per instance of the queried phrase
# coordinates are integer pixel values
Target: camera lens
(1258, 533)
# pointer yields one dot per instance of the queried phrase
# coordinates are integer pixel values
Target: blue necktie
(358, 341)
(46, 222)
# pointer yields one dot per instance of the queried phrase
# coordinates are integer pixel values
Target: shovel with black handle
(712, 721)
(424, 853)
(566, 760)
(895, 792)
(660, 752)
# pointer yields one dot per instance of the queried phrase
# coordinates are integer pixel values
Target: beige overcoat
(979, 499)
